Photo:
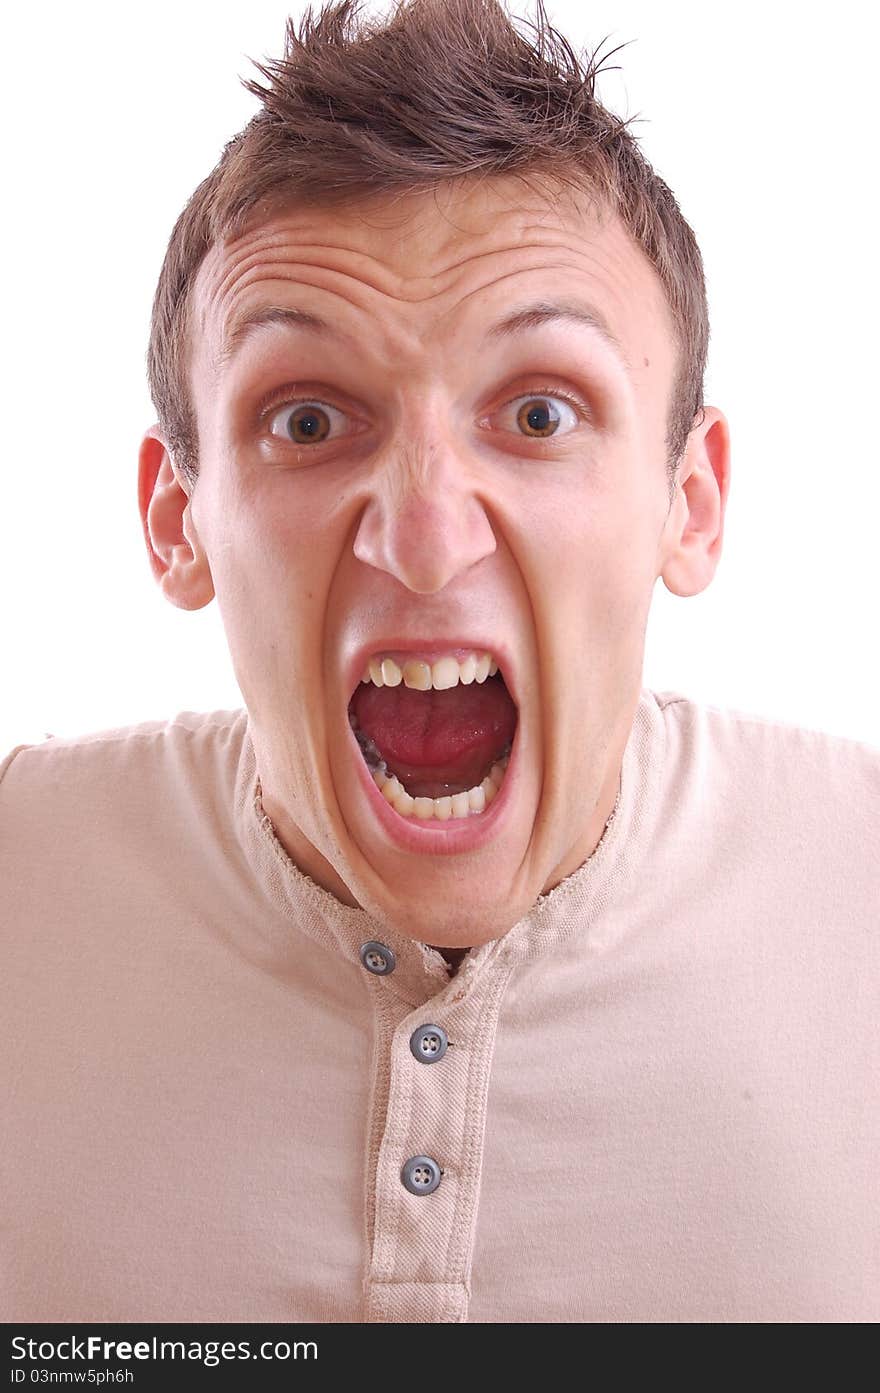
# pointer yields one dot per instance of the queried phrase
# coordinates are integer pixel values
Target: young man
(457, 977)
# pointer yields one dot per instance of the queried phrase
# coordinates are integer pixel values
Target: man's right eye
(305, 422)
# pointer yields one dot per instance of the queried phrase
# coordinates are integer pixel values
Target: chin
(462, 924)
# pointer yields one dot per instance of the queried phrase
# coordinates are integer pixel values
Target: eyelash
(270, 408)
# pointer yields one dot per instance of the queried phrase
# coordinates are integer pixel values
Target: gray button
(421, 1175)
(428, 1043)
(378, 958)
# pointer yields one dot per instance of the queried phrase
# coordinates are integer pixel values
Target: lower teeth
(467, 804)
(474, 800)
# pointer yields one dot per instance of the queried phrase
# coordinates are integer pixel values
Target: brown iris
(535, 415)
(308, 423)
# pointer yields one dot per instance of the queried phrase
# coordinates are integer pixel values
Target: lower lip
(428, 835)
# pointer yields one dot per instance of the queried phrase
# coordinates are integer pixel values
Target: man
(457, 977)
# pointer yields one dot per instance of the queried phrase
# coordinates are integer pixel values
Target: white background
(762, 121)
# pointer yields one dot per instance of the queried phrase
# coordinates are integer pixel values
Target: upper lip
(433, 649)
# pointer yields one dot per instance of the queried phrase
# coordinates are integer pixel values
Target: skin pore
(427, 512)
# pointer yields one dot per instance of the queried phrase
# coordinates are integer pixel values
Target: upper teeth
(422, 676)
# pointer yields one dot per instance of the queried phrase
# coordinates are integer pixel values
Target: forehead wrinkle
(542, 296)
(599, 273)
(231, 279)
(400, 341)
(533, 263)
(264, 241)
(349, 231)
(242, 274)
(551, 239)
(223, 270)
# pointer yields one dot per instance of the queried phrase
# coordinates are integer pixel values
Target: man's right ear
(177, 558)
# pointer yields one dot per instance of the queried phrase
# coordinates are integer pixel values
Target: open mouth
(436, 738)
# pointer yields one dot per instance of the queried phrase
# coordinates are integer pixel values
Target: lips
(423, 659)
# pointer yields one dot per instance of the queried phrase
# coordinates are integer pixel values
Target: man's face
(423, 507)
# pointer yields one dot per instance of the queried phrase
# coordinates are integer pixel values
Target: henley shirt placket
(427, 1121)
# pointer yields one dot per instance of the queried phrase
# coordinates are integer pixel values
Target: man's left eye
(540, 415)
(305, 423)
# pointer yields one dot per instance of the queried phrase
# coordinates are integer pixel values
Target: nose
(424, 522)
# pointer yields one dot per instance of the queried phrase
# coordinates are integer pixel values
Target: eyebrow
(242, 328)
(545, 312)
(518, 321)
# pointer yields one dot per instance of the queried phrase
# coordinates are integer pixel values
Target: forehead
(424, 267)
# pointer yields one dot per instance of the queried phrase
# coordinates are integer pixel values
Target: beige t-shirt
(658, 1101)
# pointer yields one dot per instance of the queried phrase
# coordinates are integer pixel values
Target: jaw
(447, 895)
(470, 897)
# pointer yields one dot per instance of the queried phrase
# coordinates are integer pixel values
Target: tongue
(452, 737)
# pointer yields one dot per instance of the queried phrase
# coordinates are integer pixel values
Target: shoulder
(735, 739)
(121, 764)
(794, 808)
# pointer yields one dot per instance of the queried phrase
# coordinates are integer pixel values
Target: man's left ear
(177, 558)
(690, 547)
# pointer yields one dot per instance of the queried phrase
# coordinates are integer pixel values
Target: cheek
(592, 589)
(269, 528)
(276, 556)
(596, 537)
